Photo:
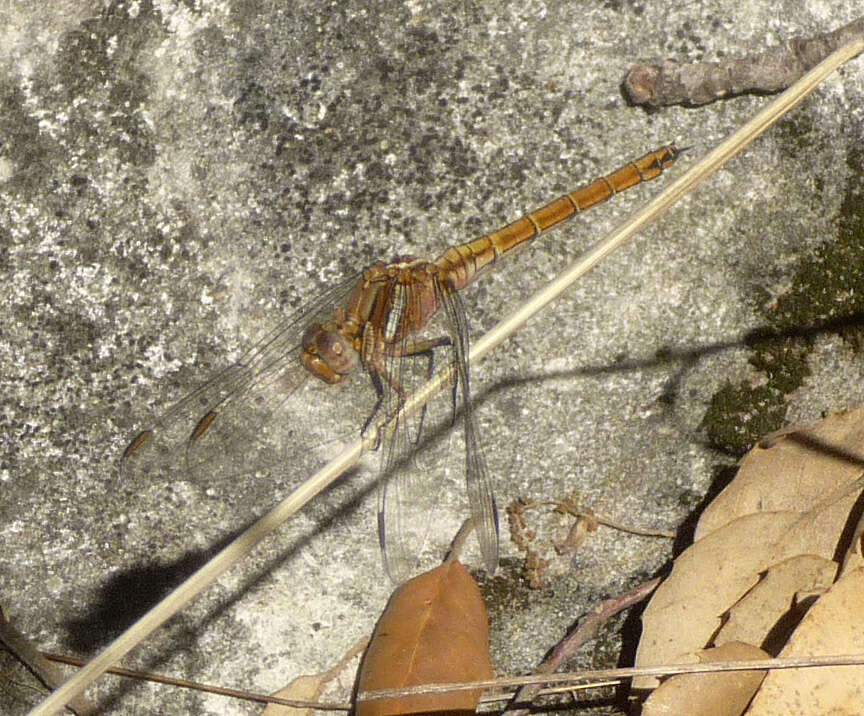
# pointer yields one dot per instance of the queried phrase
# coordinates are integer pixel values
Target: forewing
(235, 422)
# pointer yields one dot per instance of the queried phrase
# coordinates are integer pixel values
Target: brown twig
(767, 72)
(535, 567)
(571, 507)
(588, 629)
(220, 690)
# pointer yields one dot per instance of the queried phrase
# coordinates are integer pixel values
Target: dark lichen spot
(739, 415)
(826, 297)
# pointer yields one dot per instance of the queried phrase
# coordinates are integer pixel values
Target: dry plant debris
(310, 687)
(775, 564)
(307, 687)
(701, 82)
(588, 628)
(832, 626)
(549, 542)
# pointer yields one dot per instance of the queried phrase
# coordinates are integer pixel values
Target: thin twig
(457, 544)
(587, 630)
(592, 677)
(622, 527)
(207, 688)
(767, 72)
(238, 549)
(550, 691)
(570, 509)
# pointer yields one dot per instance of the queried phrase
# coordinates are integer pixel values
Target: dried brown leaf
(721, 694)
(769, 610)
(811, 477)
(833, 626)
(434, 629)
(706, 580)
(309, 687)
(792, 471)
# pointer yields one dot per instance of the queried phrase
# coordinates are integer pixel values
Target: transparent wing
(230, 425)
(408, 496)
(481, 496)
(418, 458)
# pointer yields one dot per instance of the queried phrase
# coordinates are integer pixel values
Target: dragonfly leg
(375, 377)
(426, 348)
(379, 374)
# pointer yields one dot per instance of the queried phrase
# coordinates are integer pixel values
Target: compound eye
(327, 354)
(310, 338)
(335, 351)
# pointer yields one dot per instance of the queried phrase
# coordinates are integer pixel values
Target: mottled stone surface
(176, 178)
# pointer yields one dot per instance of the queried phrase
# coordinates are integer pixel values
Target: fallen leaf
(434, 629)
(309, 687)
(303, 688)
(721, 694)
(833, 626)
(812, 478)
(793, 471)
(711, 576)
(770, 609)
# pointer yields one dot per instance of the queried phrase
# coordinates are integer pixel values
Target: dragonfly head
(327, 354)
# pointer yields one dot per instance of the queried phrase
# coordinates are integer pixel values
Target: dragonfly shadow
(129, 594)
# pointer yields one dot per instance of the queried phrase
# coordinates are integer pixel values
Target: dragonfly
(376, 323)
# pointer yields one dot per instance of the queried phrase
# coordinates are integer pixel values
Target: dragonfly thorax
(328, 353)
